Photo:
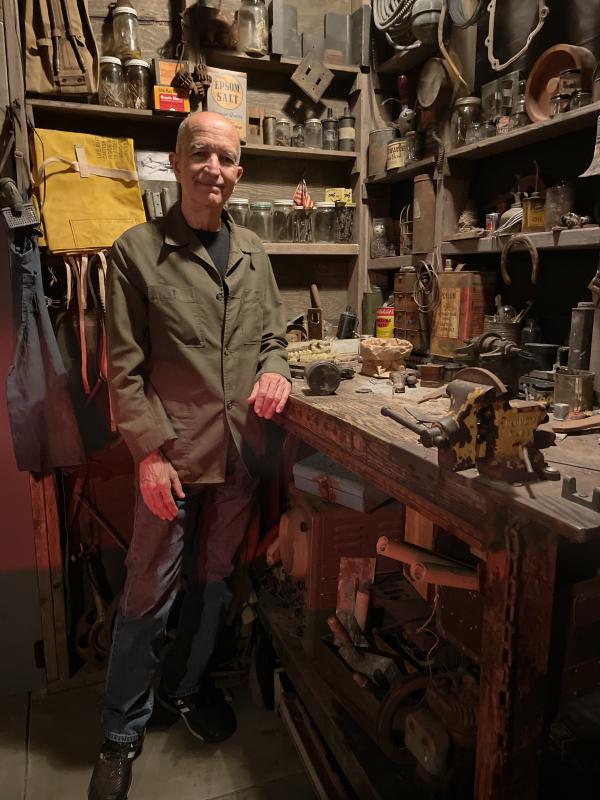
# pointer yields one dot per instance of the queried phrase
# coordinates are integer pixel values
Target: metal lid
(283, 202)
(240, 201)
(270, 116)
(110, 60)
(468, 101)
(381, 130)
(283, 119)
(260, 204)
(136, 62)
(313, 119)
(124, 10)
(325, 204)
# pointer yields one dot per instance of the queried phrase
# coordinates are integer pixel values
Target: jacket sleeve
(142, 421)
(273, 349)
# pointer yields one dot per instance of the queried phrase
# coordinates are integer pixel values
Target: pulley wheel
(397, 703)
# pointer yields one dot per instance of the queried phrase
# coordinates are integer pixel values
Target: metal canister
(491, 222)
(378, 142)
(396, 154)
(580, 337)
(575, 387)
(506, 330)
(330, 131)
(346, 131)
(347, 324)
(384, 322)
(269, 129)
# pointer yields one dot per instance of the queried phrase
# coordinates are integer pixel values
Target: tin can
(396, 154)
(384, 322)
(491, 222)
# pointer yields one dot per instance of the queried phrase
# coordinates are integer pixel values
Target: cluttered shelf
(229, 59)
(404, 173)
(560, 125)
(68, 108)
(317, 249)
(576, 239)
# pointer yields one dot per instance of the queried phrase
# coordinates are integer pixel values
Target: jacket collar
(177, 233)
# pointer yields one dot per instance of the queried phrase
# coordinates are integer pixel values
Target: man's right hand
(158, 481)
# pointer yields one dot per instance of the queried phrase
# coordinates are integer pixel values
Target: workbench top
(348, 426)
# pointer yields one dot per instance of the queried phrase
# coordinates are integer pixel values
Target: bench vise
(486, 429)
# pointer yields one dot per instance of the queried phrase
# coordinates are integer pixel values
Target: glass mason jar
(238, 210)
(282, 221)
(283, 133)
(125, 32)
(324, 222)
(313, 133)
(298, 135)
(559, 104)
(344, 222)
(581, 98)
(487, 130)
(260, 220)
(473, 133)
(111, 87)
(302, 224)
(569, 81)
(379, 238)
(466, 110)
(560, 199)
(137, 83)
(253, 28)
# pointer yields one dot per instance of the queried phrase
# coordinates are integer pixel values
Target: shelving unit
(229, 59)
(391, 263)
(577, 239)
(403, 173)
(316, 249)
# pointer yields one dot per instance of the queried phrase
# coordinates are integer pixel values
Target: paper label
(447, 316)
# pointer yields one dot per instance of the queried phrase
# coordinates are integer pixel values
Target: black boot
(111, 777)
(208, 716)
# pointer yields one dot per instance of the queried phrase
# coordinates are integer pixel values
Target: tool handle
(315, 298)
(340, 633)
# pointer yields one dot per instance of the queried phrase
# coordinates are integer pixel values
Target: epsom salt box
(321, 476)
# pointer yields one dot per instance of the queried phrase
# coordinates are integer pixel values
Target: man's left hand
(270, 394)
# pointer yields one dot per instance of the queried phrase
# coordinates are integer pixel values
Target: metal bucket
(575, 387)
(378, 142)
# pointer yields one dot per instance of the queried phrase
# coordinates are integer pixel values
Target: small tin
(269, 129)
(491, 222)
(561, 410)
(396, 154)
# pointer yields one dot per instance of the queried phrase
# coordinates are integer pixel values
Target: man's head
(206, 160)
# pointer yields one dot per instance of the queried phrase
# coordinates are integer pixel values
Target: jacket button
(220, 296)
(230, 405)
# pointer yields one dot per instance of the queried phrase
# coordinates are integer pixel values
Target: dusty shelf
(303, 153)
(393, 262)
(317, 249)
(578, 239)
(404, 173)
(531, 134)
(228, 59)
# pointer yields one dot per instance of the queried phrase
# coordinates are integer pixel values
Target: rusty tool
(315, 314)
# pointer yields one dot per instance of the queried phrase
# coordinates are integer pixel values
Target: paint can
(396, 154)
(384, 322)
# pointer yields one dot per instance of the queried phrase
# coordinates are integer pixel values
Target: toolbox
(321, 476)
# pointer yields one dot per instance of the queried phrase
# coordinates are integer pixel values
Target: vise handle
(429, 437)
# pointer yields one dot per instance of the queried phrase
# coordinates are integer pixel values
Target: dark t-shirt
(217, 246)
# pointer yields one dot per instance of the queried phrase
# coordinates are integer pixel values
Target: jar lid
(260, 204)
(136, 62)
(124, 10)
(270, 116)
(468, 101)
(283, 119)
(110, 60)
(325, 205)
(238, 201)
(313, 119)
(283, 202)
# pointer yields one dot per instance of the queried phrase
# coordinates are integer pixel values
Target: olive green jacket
(181, 361)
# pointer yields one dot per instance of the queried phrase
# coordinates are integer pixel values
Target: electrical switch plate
(312, 77)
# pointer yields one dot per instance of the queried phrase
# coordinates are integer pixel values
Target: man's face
(206, 162)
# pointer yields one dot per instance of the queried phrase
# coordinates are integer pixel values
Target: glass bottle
(519, 118)
(466, 110)
(260, 220)
(137, 83)
(253, 28)
(282, 221)
(238, 210)
(313, 133)
(125, 32)
(111, 87)
(330, 131)
(325, 222)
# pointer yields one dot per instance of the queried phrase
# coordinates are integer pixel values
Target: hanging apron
(43, 424)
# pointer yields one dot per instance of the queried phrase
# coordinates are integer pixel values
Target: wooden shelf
(404, 173)
(578, 239)
(531, 134)
(393, 262)
(293, 249)
(302, 153)
(228, 59)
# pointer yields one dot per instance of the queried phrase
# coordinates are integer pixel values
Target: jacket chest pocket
(252, 316)
(175, 317)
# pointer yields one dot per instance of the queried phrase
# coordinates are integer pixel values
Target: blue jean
(212, 523)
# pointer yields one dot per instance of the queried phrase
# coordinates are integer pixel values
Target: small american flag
(302, 196)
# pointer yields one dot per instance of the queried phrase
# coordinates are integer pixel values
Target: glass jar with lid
(302, 224)
(560, 104)
(473, 133)
(253, 28)
(111, 87)
(298, 135)
(125, 32)
(283, 132)
(324, 227)
(344, 222)
(580, 98)
(137, 83)
(260, 220)
(238, 210)
(466, 110)
(282, 221)
(313, 133)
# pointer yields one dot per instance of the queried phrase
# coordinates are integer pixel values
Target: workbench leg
(518, 602)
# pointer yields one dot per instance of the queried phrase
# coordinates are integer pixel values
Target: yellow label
(227, 92)
(342, 195)
(447, 316)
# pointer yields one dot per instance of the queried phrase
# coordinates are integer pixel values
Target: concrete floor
(48, 744)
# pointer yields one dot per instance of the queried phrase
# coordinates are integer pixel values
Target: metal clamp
(543, 12)
(569, 492)
(520, 238)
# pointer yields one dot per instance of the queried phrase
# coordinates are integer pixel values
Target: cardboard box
(165, 69)
(166, 98)
(227, 95)
(343, 195)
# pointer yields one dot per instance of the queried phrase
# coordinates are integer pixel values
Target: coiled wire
(458, 16)
(392, 14)
(426, 293)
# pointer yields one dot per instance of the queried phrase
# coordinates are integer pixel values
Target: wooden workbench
(518, 529)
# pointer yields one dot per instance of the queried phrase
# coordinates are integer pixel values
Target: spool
(384, 322)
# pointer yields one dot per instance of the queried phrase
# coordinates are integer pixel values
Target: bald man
(197, 360)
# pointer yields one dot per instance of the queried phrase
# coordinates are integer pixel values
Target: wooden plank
(240, 61)
(317, 249)
(393, 262)
(403, 173)
(302, 153)
(561, 125)
(514, 658)
(420, 531)
(576, 239)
